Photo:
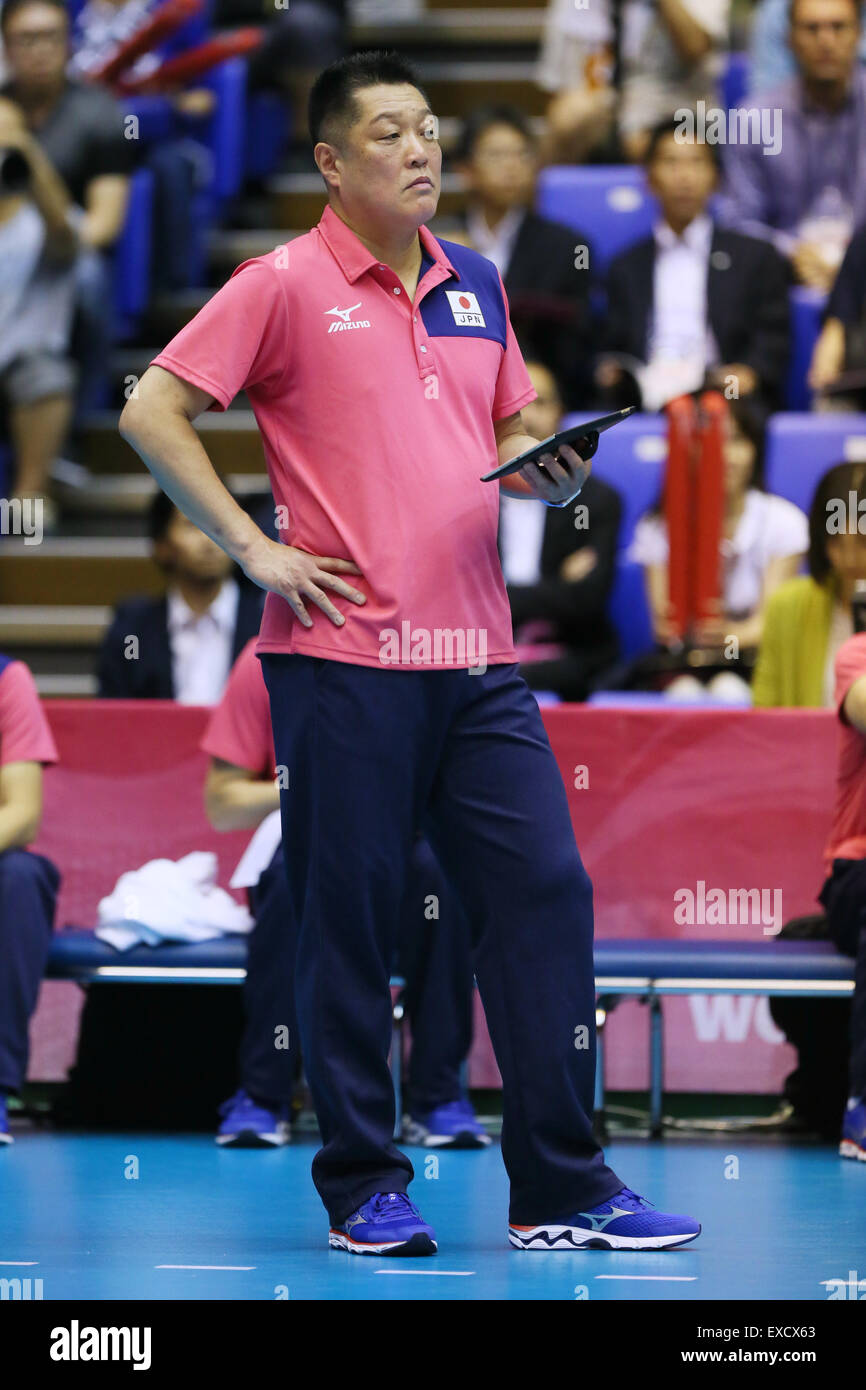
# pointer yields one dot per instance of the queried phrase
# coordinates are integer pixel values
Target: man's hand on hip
(296, 575)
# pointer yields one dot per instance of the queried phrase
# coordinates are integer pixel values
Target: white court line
(455, 1273)
(204, 1266)
(655, 1278)
(19, 1262)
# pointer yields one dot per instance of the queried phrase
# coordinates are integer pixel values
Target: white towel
(166, 900)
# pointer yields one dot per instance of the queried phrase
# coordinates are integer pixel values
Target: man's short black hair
(482, 119)
(834, 486)
(11, 7)
(159, 516)
(671, 126)
(332, 108)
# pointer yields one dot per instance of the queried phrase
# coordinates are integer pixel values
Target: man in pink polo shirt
(28, 881)
(385, 379)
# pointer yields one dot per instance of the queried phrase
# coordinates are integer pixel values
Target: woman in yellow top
(807, 619)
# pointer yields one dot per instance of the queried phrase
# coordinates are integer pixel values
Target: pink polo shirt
(848, 832)
(376, 417)
(25, 735)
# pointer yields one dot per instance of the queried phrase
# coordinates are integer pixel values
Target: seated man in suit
(544, 265)
(694, 305)
(28, 881)
(434, 951)
(181, 646)
(559, 566)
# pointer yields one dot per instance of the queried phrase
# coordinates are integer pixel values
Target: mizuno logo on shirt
(344, 321)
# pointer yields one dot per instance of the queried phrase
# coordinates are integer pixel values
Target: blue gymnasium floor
(793, 1217)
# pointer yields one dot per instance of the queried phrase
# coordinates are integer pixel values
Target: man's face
(682, 176)
(390, 164)
(501, 169)
(36, 41)
(824, 39)
(187, 553)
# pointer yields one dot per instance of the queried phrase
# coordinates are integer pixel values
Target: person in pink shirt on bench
(28, 881)
(241, 791)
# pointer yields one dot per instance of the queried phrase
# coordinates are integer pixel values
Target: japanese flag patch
(466, 309)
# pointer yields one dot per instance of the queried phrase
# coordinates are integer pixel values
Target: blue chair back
(610, 204)
(801, 447)
(631, 458)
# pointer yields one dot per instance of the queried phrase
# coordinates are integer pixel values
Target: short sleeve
(25, 735)
(650, 542)
(787, 529)
(513, 386)
(238, 339)
(713, 17)
(239, 730)
(109, 150)
(849, 666)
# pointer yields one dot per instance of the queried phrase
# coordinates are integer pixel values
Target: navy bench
(644, 968)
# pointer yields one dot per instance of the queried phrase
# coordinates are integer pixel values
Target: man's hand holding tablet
(556, 469)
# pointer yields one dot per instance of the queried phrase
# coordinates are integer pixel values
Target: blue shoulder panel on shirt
(4, 662)
(471, 307)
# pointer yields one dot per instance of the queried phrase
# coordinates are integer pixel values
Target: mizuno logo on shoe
(598, 1223)
(355, 1221)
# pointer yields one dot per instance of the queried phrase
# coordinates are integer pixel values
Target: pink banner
(694, 823)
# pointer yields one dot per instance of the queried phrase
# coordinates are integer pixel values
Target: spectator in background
(808, 619)
(841, 346)
(434, 951)
(544, 265)
(770, 58)
(300, 40)
(80, 130)
(179, 165)
(695, 305)
(559, 566)
(764, 539)
(185, 642)
(37, 296)
(28, 882)
(670, 55)
(808, 197)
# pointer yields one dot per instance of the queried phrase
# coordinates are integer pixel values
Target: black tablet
(588, 432)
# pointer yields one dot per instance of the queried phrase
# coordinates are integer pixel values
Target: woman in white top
(764, 540)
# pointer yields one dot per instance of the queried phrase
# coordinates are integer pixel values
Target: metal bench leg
(397, 1062)
(599, 1119)
(657, 1065)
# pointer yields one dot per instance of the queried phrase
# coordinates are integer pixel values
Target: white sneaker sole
(6, 1139)
(416, 1245)
(576, 1238)
(848, 1149)
(251, 1139)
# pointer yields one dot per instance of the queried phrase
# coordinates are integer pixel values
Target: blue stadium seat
(807, 309)
(631, 458)
(801, 447)
(609, 203)
(132, 256)
(225, 135)
(629, 611)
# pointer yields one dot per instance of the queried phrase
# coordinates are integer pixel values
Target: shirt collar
(697, 236)
(504, 234)
(354, 258)
(223, 610)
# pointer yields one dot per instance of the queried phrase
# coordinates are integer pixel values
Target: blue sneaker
(624, 1222)
(451, 1126)
(388, 1224)
(5, 1136)
(246, 1125)
(853, 1143)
